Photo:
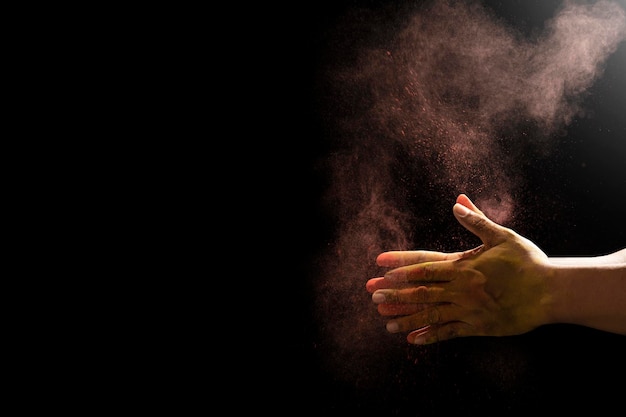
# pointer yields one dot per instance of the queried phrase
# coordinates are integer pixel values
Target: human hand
(495, 289)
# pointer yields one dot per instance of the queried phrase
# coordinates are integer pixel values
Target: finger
(441, 271)
(438, 333)
(396, 259)
(374, 284)
(433, 314)
(413, 295)
(399, 309)
(488, 231)
(465, 200)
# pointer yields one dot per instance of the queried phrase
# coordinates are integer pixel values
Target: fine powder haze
(446, 100)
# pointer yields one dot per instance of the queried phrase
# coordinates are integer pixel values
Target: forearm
(592, 295)
(618, 257)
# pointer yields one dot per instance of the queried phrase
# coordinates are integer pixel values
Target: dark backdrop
(554, 368)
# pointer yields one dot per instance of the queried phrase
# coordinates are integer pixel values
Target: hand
(495, 289)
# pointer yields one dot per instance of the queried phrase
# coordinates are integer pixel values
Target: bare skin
(506, 286)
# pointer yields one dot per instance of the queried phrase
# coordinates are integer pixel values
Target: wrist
(589, 295)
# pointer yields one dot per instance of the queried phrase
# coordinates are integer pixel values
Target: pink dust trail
(446, 100)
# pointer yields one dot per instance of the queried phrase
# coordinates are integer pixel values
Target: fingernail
(378, 297)
(460, 210)
(420, 340)
(392, 327)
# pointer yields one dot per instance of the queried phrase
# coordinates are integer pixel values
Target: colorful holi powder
(448, 100)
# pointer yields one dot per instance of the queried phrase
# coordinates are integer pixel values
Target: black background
(556, 368)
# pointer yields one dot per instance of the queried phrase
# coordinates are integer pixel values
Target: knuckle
(428, 271)
(480, 222)
(419, 294)
(422, 294)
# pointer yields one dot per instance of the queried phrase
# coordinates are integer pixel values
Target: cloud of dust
(447, 103)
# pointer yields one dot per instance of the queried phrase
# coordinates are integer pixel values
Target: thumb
(488, 231)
